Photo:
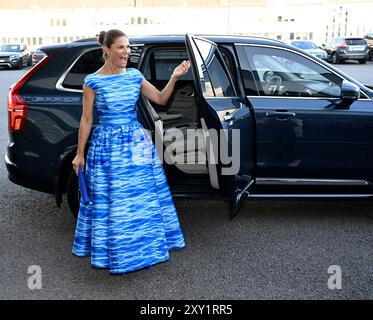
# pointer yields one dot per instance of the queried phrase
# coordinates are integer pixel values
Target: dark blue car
(287, 124)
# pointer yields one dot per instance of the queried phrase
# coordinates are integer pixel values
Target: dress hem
(119, 272)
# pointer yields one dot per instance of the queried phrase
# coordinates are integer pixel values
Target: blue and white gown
(130, 222)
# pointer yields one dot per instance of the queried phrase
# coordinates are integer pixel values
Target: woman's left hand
(181, 69)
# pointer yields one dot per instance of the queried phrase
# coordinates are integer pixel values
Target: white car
(310, 47)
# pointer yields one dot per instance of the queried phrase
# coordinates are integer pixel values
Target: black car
(340, 49)
(369, 39)
(287, 123)
(15, 56)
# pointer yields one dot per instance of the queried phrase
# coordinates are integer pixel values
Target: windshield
(304, 44)
(10, 48)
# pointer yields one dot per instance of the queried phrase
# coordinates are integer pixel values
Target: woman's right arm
(85, 126)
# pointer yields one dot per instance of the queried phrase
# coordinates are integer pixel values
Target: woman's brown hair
(107, 38)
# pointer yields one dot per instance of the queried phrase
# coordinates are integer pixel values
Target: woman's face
(119, 52)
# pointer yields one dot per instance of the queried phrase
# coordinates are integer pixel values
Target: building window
(64, 21)
(40, 40)
(279, 18)
(34, 41)
(58, 22)
(291, 36)
(51, 22)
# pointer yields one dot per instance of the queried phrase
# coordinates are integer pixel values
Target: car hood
(4, 53)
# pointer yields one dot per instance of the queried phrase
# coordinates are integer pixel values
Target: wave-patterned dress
(130, 222)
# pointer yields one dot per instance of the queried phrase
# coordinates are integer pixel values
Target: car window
(304, 45)
(284, 73)
(164, 62)
(355, 42)
(214, 79)
(90, 62)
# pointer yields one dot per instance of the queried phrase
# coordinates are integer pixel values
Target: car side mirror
(349, 91)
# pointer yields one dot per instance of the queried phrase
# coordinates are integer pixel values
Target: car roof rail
(86, 40)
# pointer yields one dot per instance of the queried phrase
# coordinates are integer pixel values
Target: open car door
(227, 122)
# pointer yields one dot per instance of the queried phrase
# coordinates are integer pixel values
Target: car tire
(29, 62)
(363, 61)
(335, 58)
(19, 65)
(73, 194)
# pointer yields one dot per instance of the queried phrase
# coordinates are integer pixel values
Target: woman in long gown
(131, 222)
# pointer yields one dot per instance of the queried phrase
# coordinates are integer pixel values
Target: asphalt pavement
(272, 250)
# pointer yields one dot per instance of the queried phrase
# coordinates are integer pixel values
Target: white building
(38, 23)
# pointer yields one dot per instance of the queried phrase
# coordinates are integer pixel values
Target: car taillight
(343, 44)
(17, 106)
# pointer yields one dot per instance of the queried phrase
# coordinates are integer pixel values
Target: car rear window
(304, 45)
(355, 42)
(90, 62)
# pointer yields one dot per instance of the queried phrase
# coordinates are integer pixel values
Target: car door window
(90, 62)
(285, 73)
(214, 79)
(165, 61)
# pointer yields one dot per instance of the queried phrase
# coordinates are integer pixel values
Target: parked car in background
(310, 47)
(347, 48)
(369, 39)
(302, 128)
(37, 56)
(15, 56)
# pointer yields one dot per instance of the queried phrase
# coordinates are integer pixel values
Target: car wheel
(335, 58)
(19, 64)
(73, 194)
(29, 62)
(363, 61)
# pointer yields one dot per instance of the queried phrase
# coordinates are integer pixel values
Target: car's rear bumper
(351, 56)
(34, 180)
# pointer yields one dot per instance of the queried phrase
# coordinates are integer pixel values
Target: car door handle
(280, 114)
(228, 117)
